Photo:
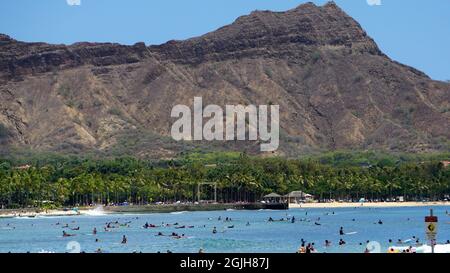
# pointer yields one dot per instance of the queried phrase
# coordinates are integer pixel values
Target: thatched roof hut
(272, 195)
(296, 194)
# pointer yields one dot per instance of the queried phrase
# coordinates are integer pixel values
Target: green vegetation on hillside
(71, 181)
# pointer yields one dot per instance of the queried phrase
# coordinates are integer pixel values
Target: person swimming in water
(65, 234)
(293, 220)
(124, 239)
(94, 231)
(310, 248)
(302, 249)
(214, 230)
(341, 231)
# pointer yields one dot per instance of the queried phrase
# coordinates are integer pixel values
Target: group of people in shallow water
(66, 226)
(287, 219)
(305, 247)
(173, 235)
(116, 224)
(310, 247)
(176, 226)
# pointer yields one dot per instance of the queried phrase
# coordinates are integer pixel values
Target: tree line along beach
(51, 183)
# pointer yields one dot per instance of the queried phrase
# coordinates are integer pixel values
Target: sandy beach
(7, 213)
(368, 205)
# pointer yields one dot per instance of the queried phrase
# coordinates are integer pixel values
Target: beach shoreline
(367, 205)
(31, 213)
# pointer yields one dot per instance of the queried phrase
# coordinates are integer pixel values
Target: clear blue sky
(414, 32)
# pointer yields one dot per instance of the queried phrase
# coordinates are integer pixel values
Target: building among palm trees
(296, 197)
(273, 198)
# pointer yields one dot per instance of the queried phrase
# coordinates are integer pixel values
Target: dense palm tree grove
(77, 182)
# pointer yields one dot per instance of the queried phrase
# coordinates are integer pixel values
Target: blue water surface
(45, 234)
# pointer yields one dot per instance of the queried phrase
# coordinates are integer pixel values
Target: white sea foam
(426, 248)
(24, 217)
(178, 212)
(98, 211)
(43, 251)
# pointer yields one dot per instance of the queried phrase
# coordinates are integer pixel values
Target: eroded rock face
(335, 88)
(274, 34)
(18, 59)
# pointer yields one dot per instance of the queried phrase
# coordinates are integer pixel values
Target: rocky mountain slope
(335, 88)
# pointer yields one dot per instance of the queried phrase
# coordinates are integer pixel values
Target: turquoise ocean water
(45, 233)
